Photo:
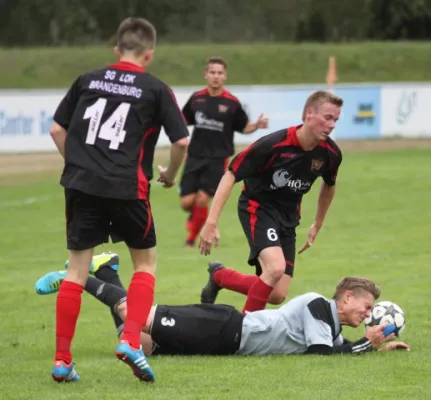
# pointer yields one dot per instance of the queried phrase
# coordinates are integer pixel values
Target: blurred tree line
(74, 22)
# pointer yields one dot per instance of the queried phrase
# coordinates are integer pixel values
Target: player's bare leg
(273, 265)
(221, 277)
(67, 312)
(79, 265)
(140, 297)
(187, 202)
(279, 293)
(146, 341)
(197, 205)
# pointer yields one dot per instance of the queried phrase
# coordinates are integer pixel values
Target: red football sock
(68, 307)
(140, 297)
(234, 280)
(258, 296)
(189, 222)
(199, 216)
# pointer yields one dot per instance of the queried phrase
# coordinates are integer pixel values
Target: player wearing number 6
(277, 171)
(106, 128)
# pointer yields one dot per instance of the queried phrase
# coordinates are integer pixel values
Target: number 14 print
(112, 129)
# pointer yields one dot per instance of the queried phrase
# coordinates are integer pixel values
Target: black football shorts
(263, 226)
(202, 174)
(91, 220)
(196, 329)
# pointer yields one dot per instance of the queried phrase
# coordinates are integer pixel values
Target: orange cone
(331, 75)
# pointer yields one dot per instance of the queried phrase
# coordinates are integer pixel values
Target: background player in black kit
(277, 171)
(216, 115)
(106, 128)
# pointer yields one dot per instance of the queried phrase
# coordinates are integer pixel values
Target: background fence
(369, 112)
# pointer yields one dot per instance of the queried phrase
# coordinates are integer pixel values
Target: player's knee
(202, 200)
(274, 271)
(278, 271)
(273, 266)
(122, 310)
(187, 203)
(277, 298)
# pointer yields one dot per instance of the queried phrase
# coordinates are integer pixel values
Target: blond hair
(318, 98)
(136, 35)
(356, 284)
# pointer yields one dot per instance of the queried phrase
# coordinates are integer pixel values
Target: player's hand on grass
(209, 235)
(262, 122)
(312, 233)
(164, 178)
(395, 346)
(376, 336)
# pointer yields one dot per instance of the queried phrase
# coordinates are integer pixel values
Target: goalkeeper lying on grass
(307, 324)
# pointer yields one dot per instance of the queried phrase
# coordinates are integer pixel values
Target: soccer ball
(386, 312)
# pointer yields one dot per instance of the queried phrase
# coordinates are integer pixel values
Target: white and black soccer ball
(386, 312)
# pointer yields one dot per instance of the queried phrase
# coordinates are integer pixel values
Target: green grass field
(378, 227)
(249, 64)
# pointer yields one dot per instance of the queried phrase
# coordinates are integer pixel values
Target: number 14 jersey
(113, 117)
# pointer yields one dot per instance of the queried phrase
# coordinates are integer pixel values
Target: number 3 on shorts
(272, 234)
(167, 321)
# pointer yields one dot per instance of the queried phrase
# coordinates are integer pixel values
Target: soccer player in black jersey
(106, 128)
(277, 171)
(215, 114)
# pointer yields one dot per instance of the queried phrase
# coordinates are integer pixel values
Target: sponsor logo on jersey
(202, 121)
(282, 178)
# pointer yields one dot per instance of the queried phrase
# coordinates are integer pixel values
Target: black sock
(108, 294)
(107, 274)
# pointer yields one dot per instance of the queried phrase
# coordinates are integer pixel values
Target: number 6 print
(272, 234)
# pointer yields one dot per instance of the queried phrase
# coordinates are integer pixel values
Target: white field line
(25, 202)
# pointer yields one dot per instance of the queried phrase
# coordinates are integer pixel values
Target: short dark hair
(215, 60)
(136, 34)
(356, 284)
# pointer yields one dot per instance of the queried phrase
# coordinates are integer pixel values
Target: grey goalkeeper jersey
(306, 320)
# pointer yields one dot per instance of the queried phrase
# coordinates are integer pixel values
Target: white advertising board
(406, 111)
(369, 111)
(25, 118)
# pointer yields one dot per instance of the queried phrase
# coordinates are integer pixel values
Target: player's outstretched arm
(326, 196)
(395, 346)
(210, 233)
(261, 123)
(373, 339)
(58, 134)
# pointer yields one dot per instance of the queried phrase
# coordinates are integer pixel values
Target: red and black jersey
(278, 172)
(215, 120)
(113, 118)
